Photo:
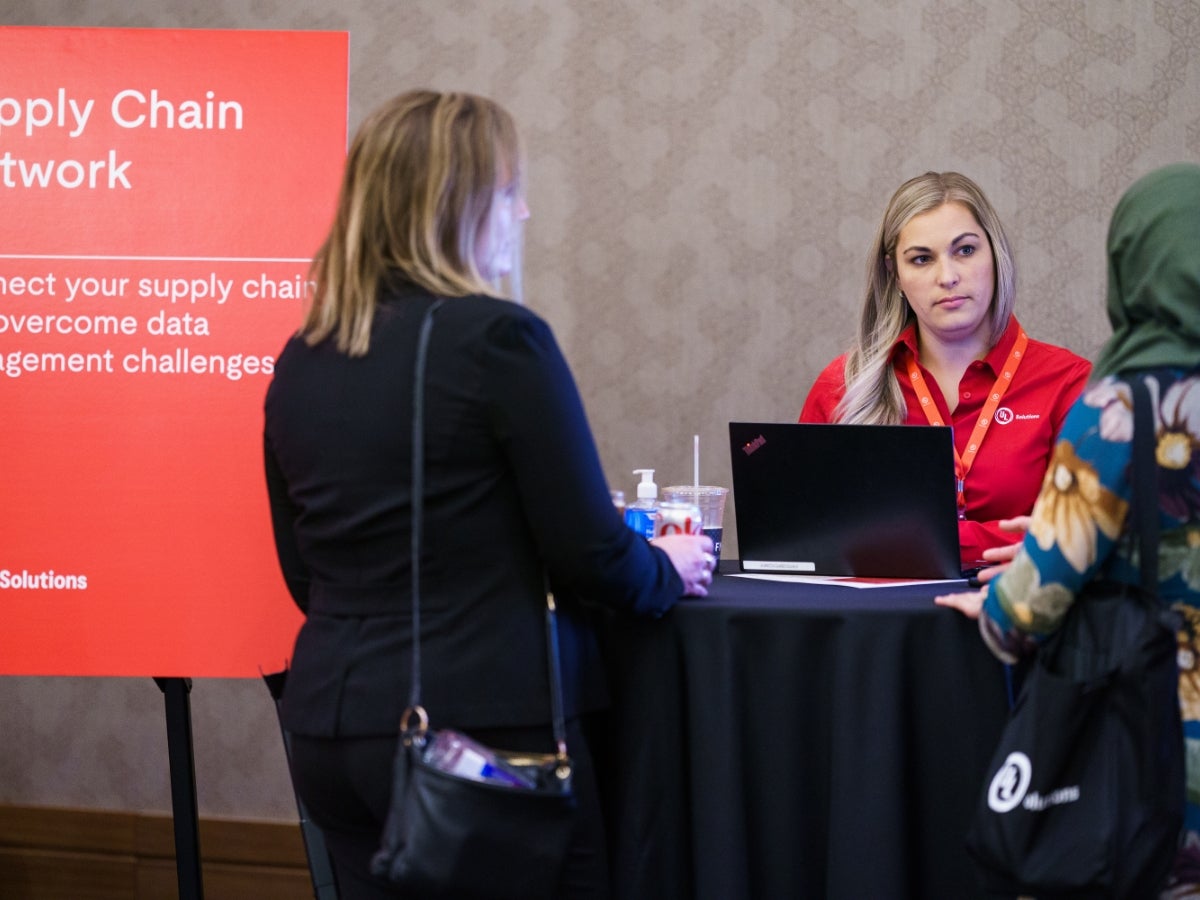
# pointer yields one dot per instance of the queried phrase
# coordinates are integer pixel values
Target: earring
(902, 297)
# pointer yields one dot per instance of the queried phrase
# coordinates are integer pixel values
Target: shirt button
(966, 395)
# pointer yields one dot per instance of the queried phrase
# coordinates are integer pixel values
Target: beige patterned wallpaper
(705, 177)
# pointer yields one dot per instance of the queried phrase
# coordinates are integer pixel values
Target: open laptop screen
(861, 500)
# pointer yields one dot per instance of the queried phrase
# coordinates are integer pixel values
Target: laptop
(872, 501)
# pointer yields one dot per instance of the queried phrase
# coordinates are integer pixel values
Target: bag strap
(418, 516)
(1144, 475)
(418, 501)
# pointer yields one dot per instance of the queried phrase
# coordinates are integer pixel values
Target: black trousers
(345, 784)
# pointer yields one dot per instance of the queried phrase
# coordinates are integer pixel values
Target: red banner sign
(163, 192)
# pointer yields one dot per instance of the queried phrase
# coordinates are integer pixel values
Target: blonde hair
(417, 189)
(872, 393)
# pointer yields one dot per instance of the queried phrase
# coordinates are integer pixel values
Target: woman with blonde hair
(430, 212)
(938, 344)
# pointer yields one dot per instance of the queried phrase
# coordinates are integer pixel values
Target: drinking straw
(696, 465)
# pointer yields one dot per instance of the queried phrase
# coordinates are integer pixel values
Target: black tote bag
(1085, 792)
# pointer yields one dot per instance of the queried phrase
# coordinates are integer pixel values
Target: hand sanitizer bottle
(642, 515)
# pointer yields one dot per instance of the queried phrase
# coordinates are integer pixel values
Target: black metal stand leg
(183, 786)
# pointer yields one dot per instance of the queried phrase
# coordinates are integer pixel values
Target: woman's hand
(692, 557)
(969, 603)
(1000, 557)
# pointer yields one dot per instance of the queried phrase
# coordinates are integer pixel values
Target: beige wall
(705, 177)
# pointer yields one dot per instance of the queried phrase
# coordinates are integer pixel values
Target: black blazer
(513, 488)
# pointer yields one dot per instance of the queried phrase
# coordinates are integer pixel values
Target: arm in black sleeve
(539, 417)
(283, 517)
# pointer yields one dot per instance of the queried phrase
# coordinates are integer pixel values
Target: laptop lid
(865, 500)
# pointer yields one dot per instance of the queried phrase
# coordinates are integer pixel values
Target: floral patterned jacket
(1076, 528)
(1080, 513)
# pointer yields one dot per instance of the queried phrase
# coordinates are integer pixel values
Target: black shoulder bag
(1085, 791)
(466, 820)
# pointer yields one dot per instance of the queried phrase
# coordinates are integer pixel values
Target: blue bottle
(642, 515)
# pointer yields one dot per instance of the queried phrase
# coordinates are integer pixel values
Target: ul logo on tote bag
(1010, 783)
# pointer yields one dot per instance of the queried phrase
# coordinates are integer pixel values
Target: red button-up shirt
(1007, 473)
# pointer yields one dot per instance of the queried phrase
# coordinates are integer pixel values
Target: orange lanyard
(962, 464)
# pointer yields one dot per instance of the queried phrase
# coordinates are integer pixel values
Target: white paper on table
(843, 580)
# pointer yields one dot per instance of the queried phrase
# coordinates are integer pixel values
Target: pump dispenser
(646, 489)
(642, 515)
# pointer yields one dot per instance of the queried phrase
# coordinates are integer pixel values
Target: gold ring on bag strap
(422, 727)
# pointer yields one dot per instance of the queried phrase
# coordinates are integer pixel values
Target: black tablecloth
(778, 740)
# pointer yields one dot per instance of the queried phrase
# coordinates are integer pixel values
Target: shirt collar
(998, 355)
(906, 344)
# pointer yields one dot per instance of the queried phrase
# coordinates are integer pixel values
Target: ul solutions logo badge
(1010, 783)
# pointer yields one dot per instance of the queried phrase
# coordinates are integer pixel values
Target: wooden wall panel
(52, 854)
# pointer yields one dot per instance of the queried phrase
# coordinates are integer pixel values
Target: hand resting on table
(692, 556)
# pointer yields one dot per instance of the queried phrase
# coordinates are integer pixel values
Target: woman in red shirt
(938, 344)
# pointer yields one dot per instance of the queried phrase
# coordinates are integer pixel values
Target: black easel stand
(183, 786)
(319, 865)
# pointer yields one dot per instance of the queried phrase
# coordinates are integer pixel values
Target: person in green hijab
(1154, 274)
(1075, 530)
